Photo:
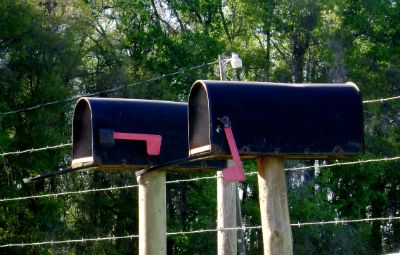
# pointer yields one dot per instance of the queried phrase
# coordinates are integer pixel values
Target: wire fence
(82, 240)
(62, 145)
(366, 161)
(199, 231)
(114, 238)
(381, 100)
(66, 193)
(78, 192)
(196, 179)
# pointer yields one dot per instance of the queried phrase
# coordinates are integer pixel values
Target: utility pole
(227, 197)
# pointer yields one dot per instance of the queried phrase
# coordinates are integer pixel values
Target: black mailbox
(298, 121)
(131, 134)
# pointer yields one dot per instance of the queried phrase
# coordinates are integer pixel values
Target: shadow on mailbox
(296, 121)
(131, 134)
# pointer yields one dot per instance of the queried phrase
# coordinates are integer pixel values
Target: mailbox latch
(236, 172)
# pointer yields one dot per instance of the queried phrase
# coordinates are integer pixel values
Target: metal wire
(337, 164)
(83, 240)
(110, 90)
(62, 145)
(346, 163)
(69, 193)
(343, 221)
(200, 231)
(381, 100)
(194, 179)
(244, 228)
(299, 224)
(98, 190)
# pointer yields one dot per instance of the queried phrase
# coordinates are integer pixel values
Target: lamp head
(236, 62)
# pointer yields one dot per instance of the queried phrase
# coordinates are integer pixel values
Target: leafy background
(51, 50)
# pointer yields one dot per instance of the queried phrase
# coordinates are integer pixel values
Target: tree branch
(153, 4)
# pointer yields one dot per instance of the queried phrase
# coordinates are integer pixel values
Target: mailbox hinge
(236, 172)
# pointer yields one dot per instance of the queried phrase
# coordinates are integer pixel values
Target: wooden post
(152, 214)
(226, 197)
(277, 234)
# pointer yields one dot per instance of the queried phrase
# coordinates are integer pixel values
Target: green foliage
(191, 206)
(52, 50)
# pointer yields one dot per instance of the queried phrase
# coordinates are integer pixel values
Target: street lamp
(235, 61)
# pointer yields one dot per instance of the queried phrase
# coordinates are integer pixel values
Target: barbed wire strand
(338, 164)
(299, 224)
(200, 231)
(346, 163)
(69, 193)
(62, 145)
(110, 90)
(82, 240)
(381, 100)
(98, 190)
(212, 230)
(344, 221)
(193, 179)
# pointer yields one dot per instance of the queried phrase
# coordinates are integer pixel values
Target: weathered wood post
(152, 214)
(226, 209)
(277, 234)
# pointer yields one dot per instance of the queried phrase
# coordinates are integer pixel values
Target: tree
(52, 50)
(39, 61)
